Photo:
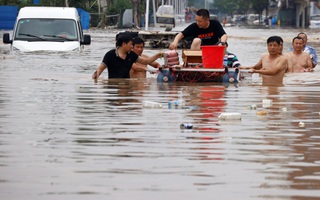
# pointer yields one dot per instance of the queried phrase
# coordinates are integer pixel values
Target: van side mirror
(6, 38)
(86, 40)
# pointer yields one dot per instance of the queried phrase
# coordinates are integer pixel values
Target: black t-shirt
(117, 67)
(208, 36)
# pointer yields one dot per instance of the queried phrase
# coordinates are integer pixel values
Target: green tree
(227, 6)
(259, 5)
(117, 7)
(243, 6)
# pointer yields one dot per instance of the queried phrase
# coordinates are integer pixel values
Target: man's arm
(137, 67)
(175, 42)
(149, 60)
(223, 39)
(255, 67)
(98, 72)
(281, 65)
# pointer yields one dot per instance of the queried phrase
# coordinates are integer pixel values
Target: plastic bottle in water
(151, 104)
(186, 126)
(229, 116)
(176, 104)
(225, 61)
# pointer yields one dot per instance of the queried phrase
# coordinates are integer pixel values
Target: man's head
(304, 37)
(203, 18)
(281, 44)
(297, 43)
(138, 45)
(275, 45)
(125, 41)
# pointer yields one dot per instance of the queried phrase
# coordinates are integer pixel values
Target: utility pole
(67, 3)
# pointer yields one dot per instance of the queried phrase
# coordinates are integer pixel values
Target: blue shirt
(313, 54)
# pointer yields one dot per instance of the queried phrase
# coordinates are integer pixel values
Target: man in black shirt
(204, 32)
(119, 61)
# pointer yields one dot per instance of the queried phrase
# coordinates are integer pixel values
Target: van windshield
(46, 30)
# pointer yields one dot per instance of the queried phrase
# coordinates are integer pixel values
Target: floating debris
(230, 116)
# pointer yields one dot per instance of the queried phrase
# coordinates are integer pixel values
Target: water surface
(65, 137)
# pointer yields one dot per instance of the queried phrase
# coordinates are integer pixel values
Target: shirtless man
(308, 49)
(272, 66)
(139, 70)
(299, 61)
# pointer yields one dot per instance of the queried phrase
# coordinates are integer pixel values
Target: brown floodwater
(64, 137)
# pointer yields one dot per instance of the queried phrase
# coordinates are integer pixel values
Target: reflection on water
(63, 136)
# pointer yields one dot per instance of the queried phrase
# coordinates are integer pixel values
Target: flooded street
(65, 137)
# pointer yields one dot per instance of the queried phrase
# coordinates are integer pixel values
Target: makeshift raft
(194, 70)
(190, 74)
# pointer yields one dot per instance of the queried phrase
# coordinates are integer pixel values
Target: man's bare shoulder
(284, 56)
(305, 54)
(288, 53)
(264, 56)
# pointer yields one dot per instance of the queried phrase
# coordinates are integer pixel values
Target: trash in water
(230, 116)
(301, 125)
(262, 112)
(186, 126)
(253, 107)
(151, 104)
(266, 103)
(191, 107)
(176, 104)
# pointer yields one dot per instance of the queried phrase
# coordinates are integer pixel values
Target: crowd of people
(127, 59)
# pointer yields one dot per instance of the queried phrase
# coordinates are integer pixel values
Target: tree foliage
(241, 6)
(226, 6)
(259, 5)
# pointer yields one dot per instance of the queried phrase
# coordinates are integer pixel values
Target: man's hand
(173, 46)
(95, 75)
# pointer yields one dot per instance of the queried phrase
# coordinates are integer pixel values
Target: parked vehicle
(47, 29)
(165, 17)
(261, 21)
(251, 18)
(314, 21)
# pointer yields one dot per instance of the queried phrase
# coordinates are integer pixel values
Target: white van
(47, 29)
(165, 17)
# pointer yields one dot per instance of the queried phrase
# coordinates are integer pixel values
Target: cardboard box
(191, 57)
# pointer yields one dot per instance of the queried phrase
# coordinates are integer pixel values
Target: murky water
(64, 137)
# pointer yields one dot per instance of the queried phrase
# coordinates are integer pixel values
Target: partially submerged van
(47, 29)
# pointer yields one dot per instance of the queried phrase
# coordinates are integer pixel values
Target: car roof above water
(48, 12)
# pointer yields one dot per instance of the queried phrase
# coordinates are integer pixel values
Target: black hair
(203, 13)
(275, 38)
(124, 38)
(137, 40)
(297, 37)
(302, 33)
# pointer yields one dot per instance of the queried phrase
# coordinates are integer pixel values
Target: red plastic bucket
(212, 56)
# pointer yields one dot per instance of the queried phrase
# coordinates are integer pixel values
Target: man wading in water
(272, 66)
